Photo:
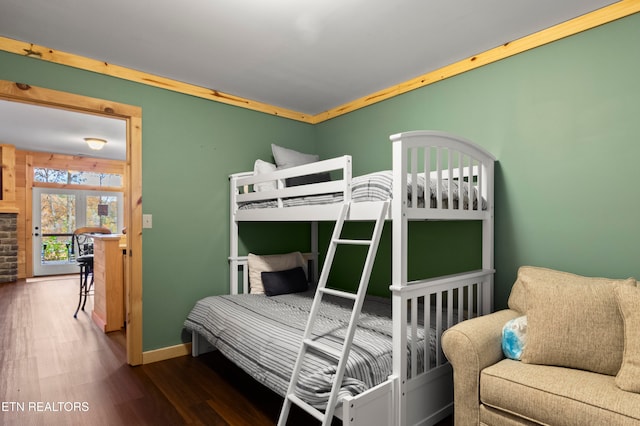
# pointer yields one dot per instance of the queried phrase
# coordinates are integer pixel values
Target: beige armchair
(580, 365)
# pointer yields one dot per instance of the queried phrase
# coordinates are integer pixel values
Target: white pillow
(270, 263)
(286, 157)
(262, 167)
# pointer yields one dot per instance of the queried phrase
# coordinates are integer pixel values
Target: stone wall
(8, 247)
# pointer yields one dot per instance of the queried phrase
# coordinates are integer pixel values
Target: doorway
(132, 115)
(57, 213)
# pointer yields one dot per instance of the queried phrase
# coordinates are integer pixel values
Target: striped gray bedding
(378, 186)
(262, 335)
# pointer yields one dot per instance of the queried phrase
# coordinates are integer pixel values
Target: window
(76, 177)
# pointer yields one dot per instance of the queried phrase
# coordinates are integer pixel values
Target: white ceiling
(302, 55)
(37, 128)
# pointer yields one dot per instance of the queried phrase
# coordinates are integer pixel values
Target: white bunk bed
(439, 164)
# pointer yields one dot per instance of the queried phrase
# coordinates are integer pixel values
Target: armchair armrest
(471, 346)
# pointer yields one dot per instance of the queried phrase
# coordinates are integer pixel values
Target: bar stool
(82, 242)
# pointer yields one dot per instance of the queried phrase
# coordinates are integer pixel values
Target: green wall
(563, 121)
(189, 147)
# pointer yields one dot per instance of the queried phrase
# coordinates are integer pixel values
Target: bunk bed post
(314, 251)
(488, 237)
(233, 240)
(399, 275)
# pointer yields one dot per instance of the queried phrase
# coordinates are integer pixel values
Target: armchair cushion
(573, 321)
(518, 297)
(628, 377)
(545, 394)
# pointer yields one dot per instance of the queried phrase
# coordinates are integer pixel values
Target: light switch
(147, 221)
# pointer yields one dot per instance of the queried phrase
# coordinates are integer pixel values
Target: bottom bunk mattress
(262, 335)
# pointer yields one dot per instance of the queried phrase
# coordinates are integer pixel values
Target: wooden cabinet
(108, 274)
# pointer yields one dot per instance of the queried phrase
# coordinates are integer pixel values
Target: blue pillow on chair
(514, 337)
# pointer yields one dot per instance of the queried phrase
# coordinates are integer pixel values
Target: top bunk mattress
(378, 186)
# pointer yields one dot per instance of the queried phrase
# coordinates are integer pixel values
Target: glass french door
(57, 213)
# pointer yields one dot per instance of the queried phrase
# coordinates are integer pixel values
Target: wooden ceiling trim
(21, 92)
(105, 68)
(582, 23)
(596, 18)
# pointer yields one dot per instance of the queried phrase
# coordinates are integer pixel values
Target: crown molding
(582, 23)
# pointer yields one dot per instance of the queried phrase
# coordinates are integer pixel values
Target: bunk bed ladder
(308, 343)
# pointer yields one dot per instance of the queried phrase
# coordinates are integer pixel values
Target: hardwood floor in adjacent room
(57, 370)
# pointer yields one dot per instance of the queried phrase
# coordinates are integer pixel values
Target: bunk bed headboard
(453, 166)
(445, 161)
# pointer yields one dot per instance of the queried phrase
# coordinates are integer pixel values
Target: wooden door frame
(132, 115)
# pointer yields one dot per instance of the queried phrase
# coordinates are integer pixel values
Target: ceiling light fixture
(95, 143)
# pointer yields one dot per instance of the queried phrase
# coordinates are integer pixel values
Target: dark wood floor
(56, 370)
